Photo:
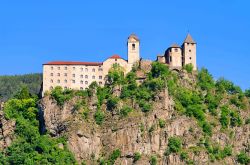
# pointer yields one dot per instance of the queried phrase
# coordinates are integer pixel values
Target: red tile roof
(115, 56)
(72, 63)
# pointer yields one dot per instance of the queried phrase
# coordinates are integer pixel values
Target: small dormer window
(176, 49)
(133, 46)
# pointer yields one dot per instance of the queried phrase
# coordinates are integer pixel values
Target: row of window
(73, 81)
(74, 68)
(81, 88)
(74, 75)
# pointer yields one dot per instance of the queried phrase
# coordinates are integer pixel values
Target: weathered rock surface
(138, 132)
(7, 128)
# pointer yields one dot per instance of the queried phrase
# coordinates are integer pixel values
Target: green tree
(205, 80)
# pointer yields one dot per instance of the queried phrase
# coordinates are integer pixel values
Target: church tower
(133, 49)
(189, 52)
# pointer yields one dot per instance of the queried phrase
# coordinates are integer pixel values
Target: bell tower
(133, 49)
(189, 52)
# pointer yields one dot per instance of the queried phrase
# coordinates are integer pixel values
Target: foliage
(159, 70)
(99, 117)
(174, 144)
(224, 85)
(247, 93)
(205, 80)
(61, 95)
(114, 156)
(29, 147)
(242, 158)
(162, 123)
(9, 85)
(189, 68)
(137, 156)
(125, 111)
(116, 75)
(153, 160)
(224, 119)
(145, 106)
(112, 103)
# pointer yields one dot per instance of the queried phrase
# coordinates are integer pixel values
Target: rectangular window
(100, 77)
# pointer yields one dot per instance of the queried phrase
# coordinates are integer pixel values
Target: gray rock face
(139, 132)
(7, 128)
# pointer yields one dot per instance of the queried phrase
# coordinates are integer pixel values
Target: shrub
(184, 156)
(114, 156)
(159, 70)
(99, 117)
(112, 103)
(162, 123)
(153, 160)
(206, 128)
(125, 111)
(61, 96)
(235, 119)
(189, 68)
(174, 144)
(242, 158)
(145, 107)
(137, 156)
(227, 151)
(224, 119)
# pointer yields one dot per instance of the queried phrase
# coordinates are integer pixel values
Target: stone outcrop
(139, 132)
(7, 128)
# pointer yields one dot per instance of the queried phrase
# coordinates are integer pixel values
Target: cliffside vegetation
(217, 107)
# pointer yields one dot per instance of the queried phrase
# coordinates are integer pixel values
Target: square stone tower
(189, 52)
(133, 49)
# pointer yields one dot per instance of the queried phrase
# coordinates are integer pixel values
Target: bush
(174, 144)
(242, 158)
(206, 128)
(224, 119)
(205, 80)
(162, 123)
(145, 107)
(184, 156)
(61, 95)
(137, 156)
(112, 103)
(235, 119)
(189, 68)
(125, 111)
(114, 156)
(247, 93)
(99, 117)
(153, 160)
(159, 70)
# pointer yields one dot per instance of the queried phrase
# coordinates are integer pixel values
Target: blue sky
(35, 32)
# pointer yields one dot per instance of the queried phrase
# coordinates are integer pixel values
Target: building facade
(178, 56)
(79, 75)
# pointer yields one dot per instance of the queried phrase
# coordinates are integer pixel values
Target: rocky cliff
(139, 132)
